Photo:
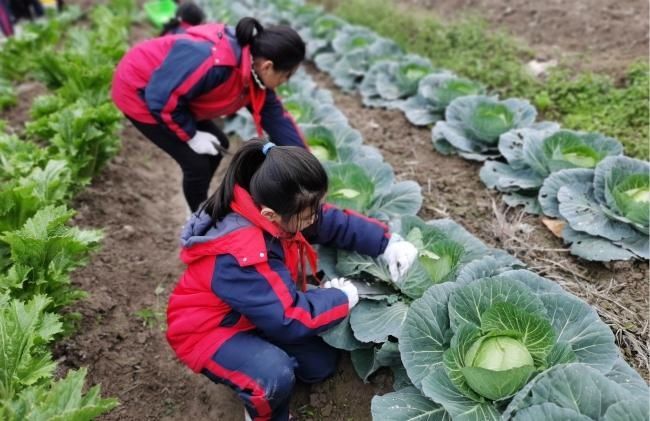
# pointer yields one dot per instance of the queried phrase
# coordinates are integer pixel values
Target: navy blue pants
(263, 374)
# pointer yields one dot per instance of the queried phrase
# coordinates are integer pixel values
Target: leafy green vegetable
(473, 125)
(25, 329)
(44, 252)
(435, 92)
(350, 187)
(535, 153)
(321, 141)
(63, 400)
(606, 209)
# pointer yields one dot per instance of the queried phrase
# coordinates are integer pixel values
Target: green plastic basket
(160, 11)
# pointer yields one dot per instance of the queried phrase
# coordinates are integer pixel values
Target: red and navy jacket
(237, 280)
(177, 80)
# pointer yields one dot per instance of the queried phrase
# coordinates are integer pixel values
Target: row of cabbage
(359, 178)
(73, 133)
(605, 210)
(468, 333)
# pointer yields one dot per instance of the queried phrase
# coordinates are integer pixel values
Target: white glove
(399, 255)
(204, 143)
(347, 287)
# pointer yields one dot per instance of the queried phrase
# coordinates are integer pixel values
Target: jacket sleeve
(266, 295)
(279, 124)
(348, 230)
(187, 72)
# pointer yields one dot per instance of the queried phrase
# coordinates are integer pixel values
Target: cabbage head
(532, 154)
(607, 209)
(350, 187)
(435, 92)
(472, 345)
(403, 78)
(351, 67)
(474, 123)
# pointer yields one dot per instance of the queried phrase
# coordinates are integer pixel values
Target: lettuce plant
(24, 328)
(62, 400)
(44, 251)
(435, 92)
(8, 97)
(473, 125)
(533, 154)
(607, 209)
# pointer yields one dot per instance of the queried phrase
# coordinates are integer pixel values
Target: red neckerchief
(295, 246)
(256, 95)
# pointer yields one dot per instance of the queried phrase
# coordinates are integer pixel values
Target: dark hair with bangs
(288, 179)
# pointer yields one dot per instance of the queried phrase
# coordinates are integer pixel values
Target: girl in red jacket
(171, 87)
(241, 313)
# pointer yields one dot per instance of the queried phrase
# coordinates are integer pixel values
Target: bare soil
(604, 36)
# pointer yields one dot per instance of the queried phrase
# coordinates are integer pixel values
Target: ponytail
(171, 26)
(280, 44)
(189, 13)
(288, 179)
(246, 31)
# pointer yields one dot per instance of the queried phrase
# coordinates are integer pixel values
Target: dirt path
(452, 188)
(138, 202)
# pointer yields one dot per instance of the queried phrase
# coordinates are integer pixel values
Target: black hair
(280, 44)
(187, 12)
(288, 179)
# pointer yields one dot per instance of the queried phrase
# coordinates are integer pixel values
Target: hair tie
(266, 147)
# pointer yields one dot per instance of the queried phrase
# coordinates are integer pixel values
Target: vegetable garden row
(469, 334)
(73, 133)
(601, 197)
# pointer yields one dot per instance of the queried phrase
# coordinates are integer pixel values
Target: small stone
(313, 399)
(327, 410)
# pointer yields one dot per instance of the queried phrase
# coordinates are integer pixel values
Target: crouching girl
(241, 314)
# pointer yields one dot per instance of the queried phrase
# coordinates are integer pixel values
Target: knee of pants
(278, 381)
(315, 371)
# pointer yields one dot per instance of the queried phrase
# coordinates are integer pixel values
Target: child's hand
(347, 287)
(204, 143)
(399, 255)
